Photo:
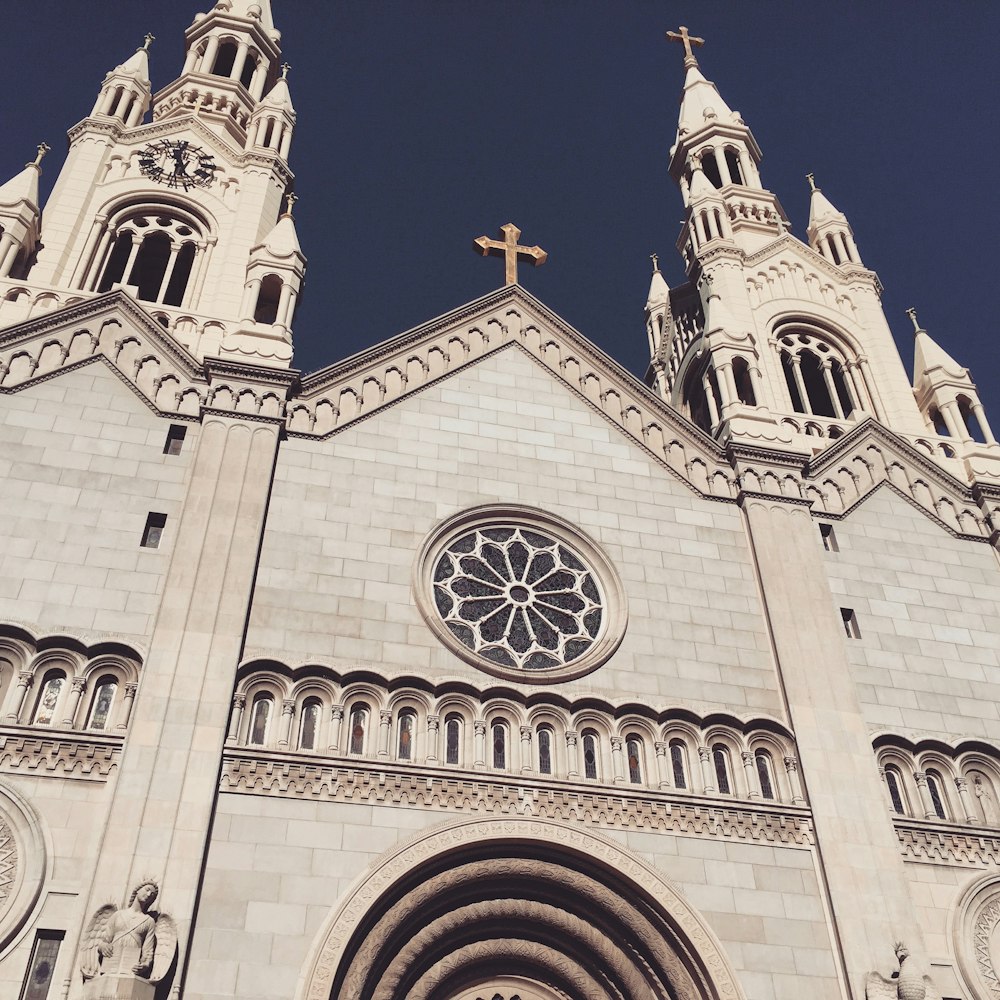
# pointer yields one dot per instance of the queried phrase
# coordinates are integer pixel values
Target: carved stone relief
(8, 863)
(977, 938)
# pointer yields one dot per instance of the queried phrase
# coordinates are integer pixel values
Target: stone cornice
(449, 790)
(933, 842)
(63, 754)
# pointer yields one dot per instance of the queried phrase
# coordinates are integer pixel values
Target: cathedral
(473, 667)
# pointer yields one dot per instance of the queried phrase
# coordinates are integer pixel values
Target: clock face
(178, 164)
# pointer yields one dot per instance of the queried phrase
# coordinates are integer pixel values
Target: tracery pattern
(8, 863)
(518, 598)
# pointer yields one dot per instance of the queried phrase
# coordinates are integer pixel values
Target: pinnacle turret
(20, 216)
(829, 232)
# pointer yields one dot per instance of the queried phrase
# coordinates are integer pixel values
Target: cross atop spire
(912, 313)
(812, 182)
(655, 258)
(687, 40)
(509, 250)
(290, 199)
(285, 67)
(148, 40)
(43, 148)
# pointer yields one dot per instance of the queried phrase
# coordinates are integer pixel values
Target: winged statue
(905, 984)
(134, 942)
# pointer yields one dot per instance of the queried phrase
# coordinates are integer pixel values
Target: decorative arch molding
(581, 916)
(976, 937)
(23, 864)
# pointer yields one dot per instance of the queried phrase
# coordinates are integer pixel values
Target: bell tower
(178, 210)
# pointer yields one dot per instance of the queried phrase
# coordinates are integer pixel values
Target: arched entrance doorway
(516, 909)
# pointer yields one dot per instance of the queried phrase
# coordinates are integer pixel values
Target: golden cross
(509, 250)
(687, 41)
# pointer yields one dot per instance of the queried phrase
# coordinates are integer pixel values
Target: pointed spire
(928, 355)
(137, 65)
(701, 102)
(23, 186)
(700, 184)
(659, 290)
(820, 207)
(283, 240)
(256, 10)
(279, 95)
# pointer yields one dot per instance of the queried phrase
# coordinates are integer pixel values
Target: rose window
(518, 598)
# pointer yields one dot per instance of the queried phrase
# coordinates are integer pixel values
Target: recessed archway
(515, 907)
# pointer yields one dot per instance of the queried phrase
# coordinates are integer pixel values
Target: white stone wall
(81, 466)
(348, 515)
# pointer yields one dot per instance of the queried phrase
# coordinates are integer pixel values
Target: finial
(290, 199)
(812, 182)
(655, 258)
(912, 313)
(687, 41)
(148, 40)
(43, 148)
(285, 67)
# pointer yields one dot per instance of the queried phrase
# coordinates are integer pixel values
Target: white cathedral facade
(473, 667)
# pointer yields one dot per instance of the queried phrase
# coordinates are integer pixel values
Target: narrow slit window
(452, 732)
(499, 733)
(404, 750)
(175, 439)
(850, 619)
(720, 757)
(763, 761)
(41, 965)
(544, 751)
(633, 750)
(678, 763)
(934, 786)
(894, 784)
(153, 532)
(829, 537)
(590, 754)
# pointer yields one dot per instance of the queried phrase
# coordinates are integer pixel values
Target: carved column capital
(571, 737)
(920, 777)
(526, 733)
(791, 764)
(239, 700)
(661, 748)
(79, 685)
(479, 727)
(961, 784)
(746, 756)
(288, 707)
(25, 678)
(385, 716)
(433, 722)
(704, 754)
(616, 743)
(337, 712)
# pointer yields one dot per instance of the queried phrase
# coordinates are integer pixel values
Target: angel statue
(135, 942)
(905, 984)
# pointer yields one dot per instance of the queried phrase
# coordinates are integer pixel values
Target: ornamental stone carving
(977, 938)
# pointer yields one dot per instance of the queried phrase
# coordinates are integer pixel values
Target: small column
(258, 127)
(685, 189)
(479, 727)
(713, 225)
(433, 732)
(90, 277)
(189, 61)
(707, 774)
(257, 81)
(617, 763)
(76, 690)
(235, 718)
(966, 799)
(135, 115)
(133, 253)
(107, 99)
(287, 713)
(242, 50)
(285, 303)
(175, 249)
(746, 165)
(8, 251)
(83, 264)
(25, 679)
(753, 784)
(662, 764)
(211, 51)
(866, 379)
(729, 381)
(792, 770)
(953, 419)
(699, 228)
(713, 410)
(984, 424)
(800, 383)
(925, 794)
(845, 250)
(384, 723)
(831, 388)
(572, 754)
(526, 762)
(251, 292)
(853, 248)
(286, 141)
(336, 721)
(720, 162)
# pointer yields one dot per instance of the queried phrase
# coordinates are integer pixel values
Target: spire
(279, 96)
(659, 290)
(125, 91)
(23, 186)
(137, 65)
(283, 240)
(254, 10)
(929, 356)
(820, 207)
(828, 231)
(701, 103)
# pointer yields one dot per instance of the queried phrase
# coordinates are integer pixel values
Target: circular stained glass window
(521, 598)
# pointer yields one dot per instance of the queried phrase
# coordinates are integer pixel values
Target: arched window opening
(940, 427)
(733, 162)
(544, 750)
(590, 754)
(359, 728)
(702, 398)
(970, 419)
(894, 782)
(267, 300)
(309, 723)
(102, 702)
(765, 774)
(48, 698)
(819, 395)
(678, 763)
(249, 68)
(744, 382)
(407, 729)
(840, 384)
(114, 270)
(711, 169)
(225, 60)
(269, 133)
(831, 245)
(985, 796)
(499, 736)
(633, 751)
(174, 294)
(793, 389)
(452, 739)
(260, 720)
(151, 266)
(720, 757)
(936, 790)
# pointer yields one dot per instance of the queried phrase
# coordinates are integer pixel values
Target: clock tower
(177, 196)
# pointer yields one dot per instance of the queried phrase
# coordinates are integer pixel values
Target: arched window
(816, 375)
(359, 726)
(249, 68)
(744, 382)
(453, 739)
(711, 168)
(406, 732)
(840, 385)
(590, 745)
(720, 757)
(260, 720)
(985, 796)
(940, 427)
(894, 782)
(678, 763)
(733, 162)
(633, 752)
(701, 397)
(498, 733)
(48, 698)
(225, 59)
(268, 297)
(154, 251)
(935, 788)
(970, 419)
(102, 702)
(765, 773)
(820, 402)
(309, 720)
(544, 750)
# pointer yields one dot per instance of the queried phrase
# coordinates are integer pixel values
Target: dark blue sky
(425, 124)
